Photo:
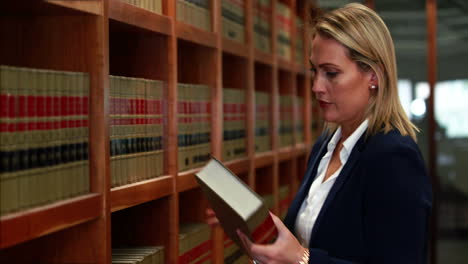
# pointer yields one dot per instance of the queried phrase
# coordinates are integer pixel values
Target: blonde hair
(370, 45)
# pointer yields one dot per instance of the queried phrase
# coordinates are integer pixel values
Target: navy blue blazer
(377, 212)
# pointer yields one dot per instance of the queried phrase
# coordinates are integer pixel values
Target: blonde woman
(366, 197)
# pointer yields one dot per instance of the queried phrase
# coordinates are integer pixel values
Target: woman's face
(341, 88)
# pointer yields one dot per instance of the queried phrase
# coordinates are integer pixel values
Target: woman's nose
(317, 85)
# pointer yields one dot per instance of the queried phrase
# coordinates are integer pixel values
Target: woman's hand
(211, 218)
(286, 249)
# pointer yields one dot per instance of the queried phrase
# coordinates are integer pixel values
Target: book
(235, 204)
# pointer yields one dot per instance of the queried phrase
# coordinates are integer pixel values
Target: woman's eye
(332, 75)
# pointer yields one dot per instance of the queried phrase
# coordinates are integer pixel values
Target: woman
(365, 197)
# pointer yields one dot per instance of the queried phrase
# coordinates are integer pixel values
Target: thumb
(279, 225)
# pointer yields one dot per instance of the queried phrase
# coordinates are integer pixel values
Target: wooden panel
(286, 65)
(88, 6)
(37, 222)
(140, 192)
(39, 42)
(235, 48)
(195, 35)
(286, 153)
(263, 58)
(142, 225)
(186, 180)
(135, 52)
(264, 159)
(302, 149)
(139, 17)
(235, 70)
(238, 166)
(51, 7)
(192, 205)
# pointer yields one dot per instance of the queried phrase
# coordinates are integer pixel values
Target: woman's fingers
(211, 218)
(258, 252)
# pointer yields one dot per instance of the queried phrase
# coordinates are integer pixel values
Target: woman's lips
(324, 104)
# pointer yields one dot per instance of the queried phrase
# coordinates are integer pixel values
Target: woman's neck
(348, 129)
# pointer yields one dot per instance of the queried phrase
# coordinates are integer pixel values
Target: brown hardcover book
(235, 204)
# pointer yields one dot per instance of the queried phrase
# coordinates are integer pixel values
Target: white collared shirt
(319, 189)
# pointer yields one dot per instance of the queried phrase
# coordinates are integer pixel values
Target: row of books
(195, 12)
(43, 136)
(233, 254)
(286, 122)
(136, 129)
(300, 119)
(299, 41)
(138, 255)
(233, 22)
(262, 25)
(262, 121)
(195, 244)
(234, 127)
(194, 125)
(283, 21)
(154, 6)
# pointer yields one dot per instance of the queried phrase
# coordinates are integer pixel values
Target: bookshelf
(104, 38)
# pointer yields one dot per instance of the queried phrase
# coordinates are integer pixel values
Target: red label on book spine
(196, 252)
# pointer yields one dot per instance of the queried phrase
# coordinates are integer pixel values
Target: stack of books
(136, 129)
(284, 200)
(262, 25)
(234, 127)
(195, 243)
(299, 41)
(43, 136)
(154, 6)
(194, 125)
(233, 19)
(286, 120)
(300, 119)
(283, 22)
(195, 12)
(138, 255)
(262, 121)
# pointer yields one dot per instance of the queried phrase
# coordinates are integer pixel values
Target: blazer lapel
(309, 177)
(340, 180)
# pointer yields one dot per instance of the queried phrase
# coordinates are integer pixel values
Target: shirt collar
(349, 143)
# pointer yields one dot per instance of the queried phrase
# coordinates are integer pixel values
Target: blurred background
(433, 88)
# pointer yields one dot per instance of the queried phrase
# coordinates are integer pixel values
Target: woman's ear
(374, 81)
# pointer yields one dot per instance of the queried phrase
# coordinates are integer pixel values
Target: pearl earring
(373, 87)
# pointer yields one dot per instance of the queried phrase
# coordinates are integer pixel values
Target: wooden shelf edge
(133, 15)
(238, 166)
(301, 69)
(264, 58)
(301, 149)
(140, 192)
(286, 65)
(36, 222)
(286, 153)
(264, 159)
(88, 6)
(195, 35)
(186, 180)
(235, 48)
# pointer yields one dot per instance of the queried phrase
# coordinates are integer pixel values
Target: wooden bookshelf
(112, 37)
(30, 224)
